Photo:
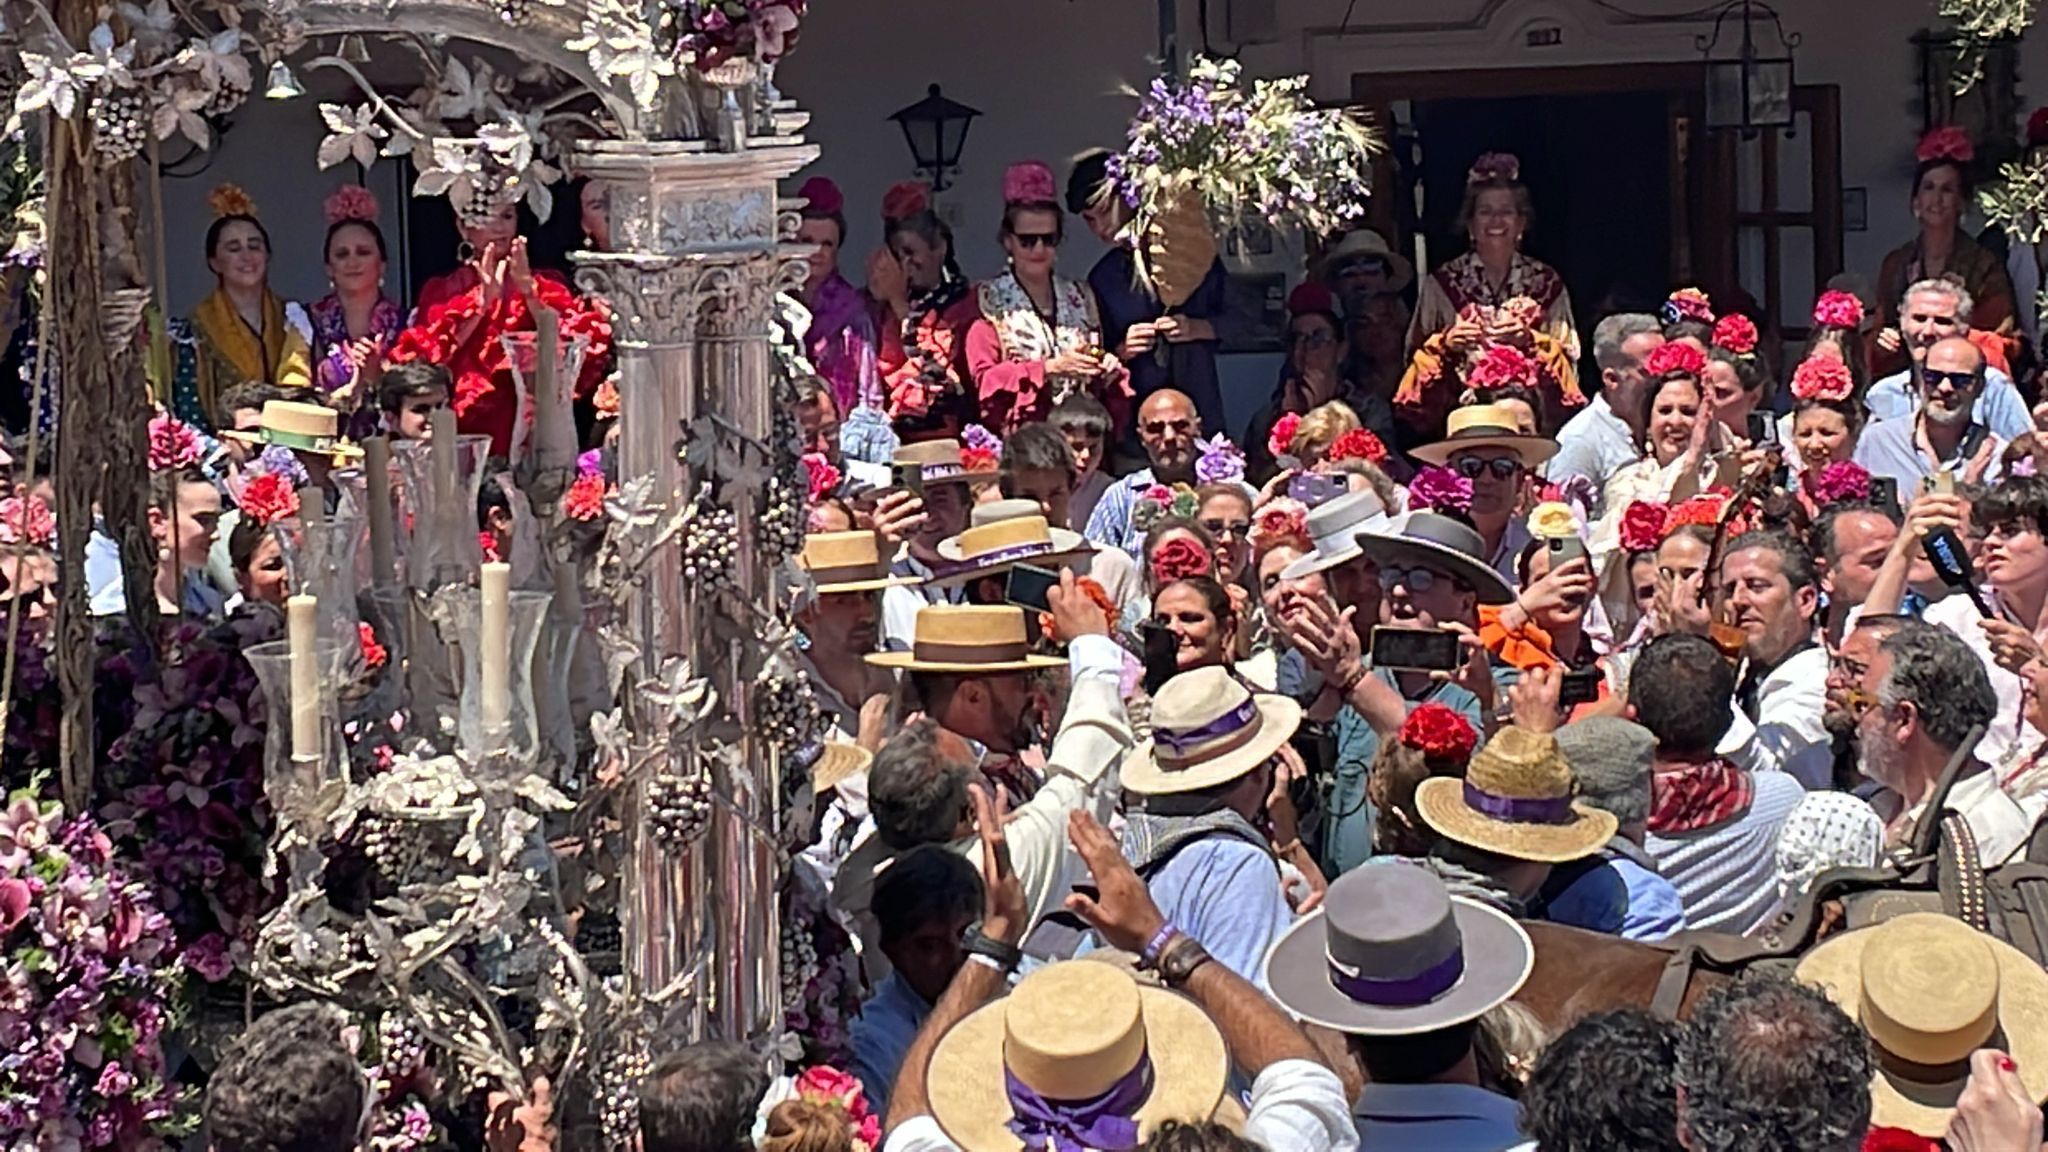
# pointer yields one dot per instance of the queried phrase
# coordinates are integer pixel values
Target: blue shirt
(1891, 448)
(1436, 1118)
(882, 1033)
(1347, 814)
(1655, 910)
(1226, 894)
(2000, 408)
(1596, 900)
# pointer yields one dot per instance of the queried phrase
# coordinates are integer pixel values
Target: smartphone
(909, 476)
(1944, 483)
(1763, 429)
(1416, 649)
(1565, 549)
(1313, 488)
(1028, 585)
(1578, 687)
(1159, 652)
(1884, 492)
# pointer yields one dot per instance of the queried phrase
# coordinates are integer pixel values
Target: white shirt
(1296, 1106)
(2009, 734)
(1728, 874)
(900, 603)
(2001, 824)
(1595, 444)
(1436, 1118)
(1789, 734)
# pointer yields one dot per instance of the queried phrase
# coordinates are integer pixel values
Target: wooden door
(1772, 225)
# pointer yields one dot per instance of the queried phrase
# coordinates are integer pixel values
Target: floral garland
(1438, 488)
(84, 994)
(821, 985)
(1440, 733)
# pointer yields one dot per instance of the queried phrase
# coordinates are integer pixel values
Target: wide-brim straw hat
(838, 762)
(1333, 528)
(1516, 800)
(938, 462)
(967, 639)
(1001, 535)
(300, 426)
(1441, 542)
(847, 562)
(1069, 1032)
(1391, 953)
(1208, 729)
(1485, 426)
(1929, 990)
(1362, 242)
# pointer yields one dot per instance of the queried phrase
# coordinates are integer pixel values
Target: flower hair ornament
(1178, 559)
(1438, 488)
(230, 200)
(27, 520)
(172, 444)
(1675, 358)
(351, 202)
(1948, 144)
(1502, 366)
(980, 449)
(269, 497)
(821, 477)
(826, 1087)
(1358, 444)
(1494, 168)
(1159, 502)
(1220, 461)
(1280, 441)
(1844, 481)
(1822, 378)
(1735, 334)
(1838, 309)
(1439, 732)
(907, 199)
(1642, 526)
(1281, 518)
(1554, 520)
(1687, 304)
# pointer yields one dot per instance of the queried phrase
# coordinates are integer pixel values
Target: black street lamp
(936, 130)
(1750, 91)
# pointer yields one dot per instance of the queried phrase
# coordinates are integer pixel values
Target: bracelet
(1352, 681)
(988, 962)
(1004, 955)
(1289, 848)
(1148, 957)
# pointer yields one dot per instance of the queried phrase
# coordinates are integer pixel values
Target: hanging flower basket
(1178, 247)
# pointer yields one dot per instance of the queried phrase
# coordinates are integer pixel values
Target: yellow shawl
(231, 354)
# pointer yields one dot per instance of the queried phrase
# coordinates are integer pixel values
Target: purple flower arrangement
(1221, 461)
(85, 992)
(1439, 488)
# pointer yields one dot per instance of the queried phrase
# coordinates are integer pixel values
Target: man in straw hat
(1405, 969)
(1039, 464)
(1482, 444)
(311, 431)
(842, 626)
(1080, 1056)
(999, 536)
(1768, 1065)
(1200, 840)
(922, 521)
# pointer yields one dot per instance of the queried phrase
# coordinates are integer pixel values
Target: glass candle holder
(439, 528)
(300, 785)
(320, 558)
(510, 731)
(553, 426)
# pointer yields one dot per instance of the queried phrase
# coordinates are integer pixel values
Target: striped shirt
(1727, 874)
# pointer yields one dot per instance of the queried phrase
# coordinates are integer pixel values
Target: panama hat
(1078, 1054)
(1362, 243)
(305, 427)
(1392, 953)
(837, 762)
(1208, 729)
(847, 562)
(938, 461)
(1485, 426)
(1929, 990)
(1430, 538)
(1000, 535)
(1515, 800)
(1333, 528)
(967, 639)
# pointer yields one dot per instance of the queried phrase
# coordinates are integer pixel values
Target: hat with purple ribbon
(1207, 729)
(1000, 535)
(1517, 799)
(938, 461)
(1078, 1057)
(1392, 953)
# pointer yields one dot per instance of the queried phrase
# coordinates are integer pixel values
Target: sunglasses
(1470, 467)
(1960, 381)
(1219, 527)
(1036, 239)
(1418, 580)
(1317, 339)
(1162, 427)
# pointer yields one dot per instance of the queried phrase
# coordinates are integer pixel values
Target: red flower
(585, 498)
(374, 654)
(1178, 559)
(1704, 511)
(978, 459)
(1842, 481)
(822, 478)
(1880, 1139)
(1642, 526)
(27, 520)
(1822, 378)
(1358, 444)
(1735, 333)
(1280, 441)
(1675, 359)
(1502, 365)
(1949, 142)
(1439, 732)
(269, 497)
(489, 543)
(1838, 309)
(1284, 518)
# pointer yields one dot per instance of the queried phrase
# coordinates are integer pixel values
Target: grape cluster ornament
(679, 808)
(785, 709)
(709, 544)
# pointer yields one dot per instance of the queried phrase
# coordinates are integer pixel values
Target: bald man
(1168, 427)
(1942, 432)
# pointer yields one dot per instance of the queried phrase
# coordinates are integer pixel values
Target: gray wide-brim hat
(1439, 541)
(1333, 529)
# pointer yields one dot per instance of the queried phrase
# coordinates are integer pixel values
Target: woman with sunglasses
(1039, 338)
(1312, 377)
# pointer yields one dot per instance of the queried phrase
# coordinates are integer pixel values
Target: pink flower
(1157, 494)
(172, 444)
(1838, 309)
(1494, 168)
(1842, 481)
(269, 497)
(1735, 333)
(114, 1081)
(27, 520)
(1358, 444)
(1282, 518)
(1280, 441)
(1501, 366)
(1674, 359)
(1689, 304)
(1950, 142)
(15, 899)
(1437, 487)
(351, 202)
(1821, 378)
(829, 1083)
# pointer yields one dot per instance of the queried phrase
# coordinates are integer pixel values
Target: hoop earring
(464, 251)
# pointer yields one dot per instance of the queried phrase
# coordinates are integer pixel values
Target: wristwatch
(978, 943)
(1180, 959)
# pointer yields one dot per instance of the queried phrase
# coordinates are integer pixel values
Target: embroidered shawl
(232, 352)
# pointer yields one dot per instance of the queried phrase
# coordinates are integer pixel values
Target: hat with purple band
(938, 461)
(1079, 1056)
(1517, 800)
(1207, 729)
(1392, 953)
(1001, 535)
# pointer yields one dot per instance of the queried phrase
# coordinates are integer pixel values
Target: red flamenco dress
(465, 333)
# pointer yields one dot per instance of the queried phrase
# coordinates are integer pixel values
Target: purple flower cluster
(278, 460)
(720, 30)
(976, 436)
(84, 992)
(822, 1016)
(1435, 487)
(1220, 461)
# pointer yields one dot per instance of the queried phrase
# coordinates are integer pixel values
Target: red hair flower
(172, 444)
(269, 497)
(374, 654)
(1642, 526)
(1822, 378)
(1494, 168)
(1280, 441)
(1844, 481)
(1702, 510)
(1178, 559)
(1675, 358)
(978, 459)
(1358, 444)
(585, 498)
(1689, 304)
(1882, 1139)
(1950, 143)
(823, 478)
(1284, 518)
(1439, 732)
(1735, 333)
(1838, 309)
(488, 541)
(27, 520)
(1500, 366)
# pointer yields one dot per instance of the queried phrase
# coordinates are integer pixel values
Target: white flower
(51, 84)
(354, 135)
(109, 59)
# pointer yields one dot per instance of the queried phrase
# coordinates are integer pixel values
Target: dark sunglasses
(1960, 381)
(1162, 427)
(1470, 467)
(1037, 239)
(1221, 527)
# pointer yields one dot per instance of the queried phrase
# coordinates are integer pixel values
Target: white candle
(302, 629)
(377, 478)
(495, 650)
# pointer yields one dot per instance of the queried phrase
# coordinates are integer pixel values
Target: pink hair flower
(1950, 142)
(172, 444)
(1838, 309)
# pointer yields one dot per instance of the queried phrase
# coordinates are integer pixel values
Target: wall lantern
(936, 130)
(1750, 90)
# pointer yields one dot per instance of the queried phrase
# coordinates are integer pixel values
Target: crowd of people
(1189, 793)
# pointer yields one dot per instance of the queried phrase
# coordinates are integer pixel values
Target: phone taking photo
(1884, 492)
(1416, 649)
(1578, 687)
(1763, 429)
(1564, 550)
(1313, 488)
(1027, 586)
(909, 477)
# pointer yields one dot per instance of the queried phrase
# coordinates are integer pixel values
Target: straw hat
(1392, 953)
(1073, 1032)
(836, 763)
(1362, 243)
(968, 639)
(1207, 729)
(1515, 800)
(938, 461)
(1929, 990)
(1485, 426)
(1333, 527)
(1001, 534)
(305, 427)
(1440, 542)
(847, 562)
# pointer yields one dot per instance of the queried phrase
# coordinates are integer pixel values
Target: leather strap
(1924, 835)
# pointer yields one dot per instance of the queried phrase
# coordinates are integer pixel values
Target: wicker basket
(1179, 248)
